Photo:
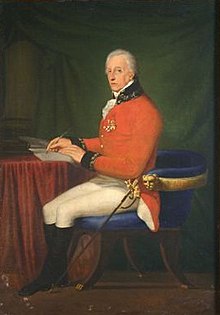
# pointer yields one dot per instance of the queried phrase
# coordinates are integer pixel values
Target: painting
(52, 77)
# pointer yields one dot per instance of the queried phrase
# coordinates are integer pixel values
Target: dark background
(52, 77)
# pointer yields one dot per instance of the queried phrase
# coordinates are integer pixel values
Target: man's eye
(118, 70)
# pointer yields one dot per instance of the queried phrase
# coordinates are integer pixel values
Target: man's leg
(57, 240)
(55, 265)
(50, 209)
(84, 200)
(101, 201)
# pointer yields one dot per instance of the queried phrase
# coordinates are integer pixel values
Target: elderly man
(126, 147)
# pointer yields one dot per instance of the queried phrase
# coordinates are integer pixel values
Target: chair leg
(132, 257)
(87, 268)
(169, 241)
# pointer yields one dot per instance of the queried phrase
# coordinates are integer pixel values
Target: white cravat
(111, 103)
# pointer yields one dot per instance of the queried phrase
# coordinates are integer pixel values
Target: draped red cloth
(26, 184)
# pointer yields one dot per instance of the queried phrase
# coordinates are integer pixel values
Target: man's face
(118, 73)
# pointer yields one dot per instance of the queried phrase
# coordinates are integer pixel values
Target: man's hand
(58, 143)
(75, 152)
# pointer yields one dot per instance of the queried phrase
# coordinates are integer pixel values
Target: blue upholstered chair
(177, 174)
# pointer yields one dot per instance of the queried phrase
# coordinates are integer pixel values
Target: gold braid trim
(134, 188)
(82, 144)
(92, 161)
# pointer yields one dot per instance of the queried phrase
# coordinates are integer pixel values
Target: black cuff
(78, 141)
(88, 160)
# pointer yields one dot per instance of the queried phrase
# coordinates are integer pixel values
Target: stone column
(21, 88)
(21, 85)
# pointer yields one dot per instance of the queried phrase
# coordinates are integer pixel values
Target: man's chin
(115, 88)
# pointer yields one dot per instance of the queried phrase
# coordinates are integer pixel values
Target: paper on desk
(38, 147)
(43, 155)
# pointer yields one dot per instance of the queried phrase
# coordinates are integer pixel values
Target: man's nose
(112, 76)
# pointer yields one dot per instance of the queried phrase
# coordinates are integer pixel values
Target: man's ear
(131, 75)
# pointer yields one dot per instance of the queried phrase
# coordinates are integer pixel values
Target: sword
(133, 193)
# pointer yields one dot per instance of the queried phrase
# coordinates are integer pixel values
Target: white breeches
(99, 196)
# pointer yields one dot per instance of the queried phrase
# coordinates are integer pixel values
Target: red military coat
(127, 142)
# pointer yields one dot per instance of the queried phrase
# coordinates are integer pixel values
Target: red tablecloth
(26, 184)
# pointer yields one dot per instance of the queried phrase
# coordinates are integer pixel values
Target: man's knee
(65, 216)
(49, 213)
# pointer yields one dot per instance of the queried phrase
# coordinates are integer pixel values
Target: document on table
(38, 147)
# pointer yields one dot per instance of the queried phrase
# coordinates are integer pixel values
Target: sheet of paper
(43, 155)
(38, 147)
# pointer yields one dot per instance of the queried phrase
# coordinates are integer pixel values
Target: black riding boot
(60, 250)
(46, 274)
(49, 234)
(53, 271)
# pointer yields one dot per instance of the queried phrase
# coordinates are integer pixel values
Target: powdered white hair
(131, 61)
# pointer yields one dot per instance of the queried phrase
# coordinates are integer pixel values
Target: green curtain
(174, 44)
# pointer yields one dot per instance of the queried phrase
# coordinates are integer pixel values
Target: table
(26, 184)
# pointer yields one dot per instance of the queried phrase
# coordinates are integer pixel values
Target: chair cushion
(175, 205)
(128, 220)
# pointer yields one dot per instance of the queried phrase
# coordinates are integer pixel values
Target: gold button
(102, 136)
(101, 145)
